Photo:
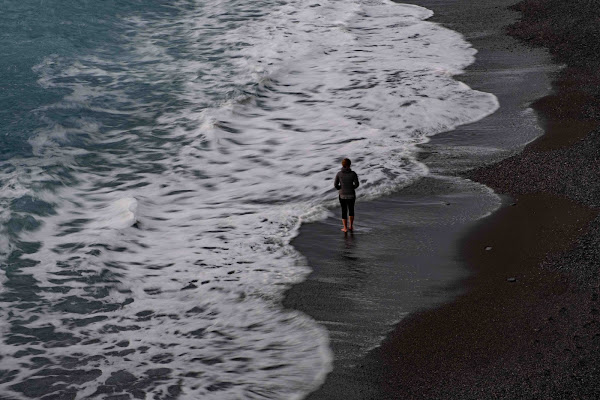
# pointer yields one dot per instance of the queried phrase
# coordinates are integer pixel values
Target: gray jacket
(345, 182)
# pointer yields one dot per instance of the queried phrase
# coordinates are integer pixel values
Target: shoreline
(522, 324)
(528, 325)
(499, 339)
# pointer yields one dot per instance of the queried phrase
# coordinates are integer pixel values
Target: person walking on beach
(345, 182)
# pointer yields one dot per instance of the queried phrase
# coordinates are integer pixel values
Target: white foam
(194, 206)
(119, 214)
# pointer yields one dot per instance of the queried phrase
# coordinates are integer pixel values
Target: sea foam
(178, 167)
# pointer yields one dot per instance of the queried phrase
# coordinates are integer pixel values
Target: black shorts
(347, 207)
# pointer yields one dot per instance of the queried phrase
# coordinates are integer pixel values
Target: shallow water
(157, 161)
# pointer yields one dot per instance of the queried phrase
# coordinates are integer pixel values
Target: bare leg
(351, 224)
(345, 228)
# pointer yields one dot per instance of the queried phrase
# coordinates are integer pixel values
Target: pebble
(488, 248)
(512, 279)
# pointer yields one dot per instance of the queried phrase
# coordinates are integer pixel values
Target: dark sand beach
(504, 306)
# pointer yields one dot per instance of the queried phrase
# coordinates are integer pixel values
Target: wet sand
(520, 331)
(505, 307)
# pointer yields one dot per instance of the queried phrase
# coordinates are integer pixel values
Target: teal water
(35, 30)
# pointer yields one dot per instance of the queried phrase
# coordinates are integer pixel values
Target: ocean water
(158, 157)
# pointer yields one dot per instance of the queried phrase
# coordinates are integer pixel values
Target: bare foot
(350, 228)
(344, 230)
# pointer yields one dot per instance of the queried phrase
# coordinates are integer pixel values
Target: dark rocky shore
(529, 324)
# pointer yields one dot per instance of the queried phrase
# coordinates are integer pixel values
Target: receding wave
(147, 239)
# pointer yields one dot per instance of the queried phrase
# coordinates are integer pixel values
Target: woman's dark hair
(346, 163)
